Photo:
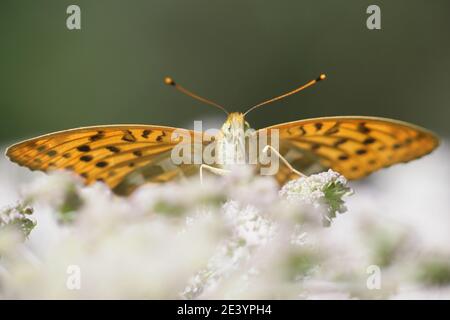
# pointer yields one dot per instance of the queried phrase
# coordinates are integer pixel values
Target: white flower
(235, 237)
(249, 227)
(18, 216)
(322, 190)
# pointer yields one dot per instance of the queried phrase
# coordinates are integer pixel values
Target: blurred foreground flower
(236, 236)
(18, 216)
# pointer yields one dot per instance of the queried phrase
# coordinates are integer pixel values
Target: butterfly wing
(351, 145)
(107, 153)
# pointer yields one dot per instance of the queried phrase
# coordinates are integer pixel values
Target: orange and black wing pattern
(103, 153)
(354, 146)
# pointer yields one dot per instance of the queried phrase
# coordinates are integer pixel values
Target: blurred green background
(237, 53)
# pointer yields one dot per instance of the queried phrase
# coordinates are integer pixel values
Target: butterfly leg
(272, 149)
(215, 170)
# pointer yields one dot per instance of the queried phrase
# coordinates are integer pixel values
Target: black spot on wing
(408, 141)
(302, 130)
(129, 137)
(361, 151)
(318, 126)
(339, 142)
(86, 158)
(334, 129)
(369, 140)
(362, 128)
(84, 148)
(113, 149)
(101, 164)
(146, 133)
(160, 137)
(98, 136)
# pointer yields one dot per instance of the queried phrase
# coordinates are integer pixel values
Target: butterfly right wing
(354, 146)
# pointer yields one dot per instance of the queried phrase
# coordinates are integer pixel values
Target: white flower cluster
(17, 216)
(248, 230)
(253, 229)
(324, 190)
(236, 236)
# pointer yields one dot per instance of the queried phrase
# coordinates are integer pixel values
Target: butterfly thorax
(231, 142)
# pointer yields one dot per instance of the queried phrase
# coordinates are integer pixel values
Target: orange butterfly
(126, 156)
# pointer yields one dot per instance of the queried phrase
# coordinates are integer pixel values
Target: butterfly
(126, 156)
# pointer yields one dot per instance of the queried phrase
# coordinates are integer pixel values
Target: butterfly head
(235, 125)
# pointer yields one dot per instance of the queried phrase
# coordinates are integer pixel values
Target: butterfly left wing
(351, 145)
(106, 153)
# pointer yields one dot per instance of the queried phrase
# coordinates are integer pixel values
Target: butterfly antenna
(309, 84)
(169, 81)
